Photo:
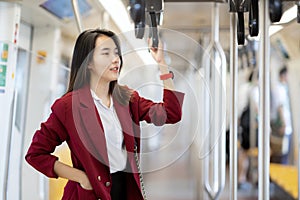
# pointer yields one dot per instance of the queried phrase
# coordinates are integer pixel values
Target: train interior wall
(47, 52)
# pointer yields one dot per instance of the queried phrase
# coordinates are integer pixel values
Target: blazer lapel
(126, 124)
(91, 129)
(129, 139)
(91, 134)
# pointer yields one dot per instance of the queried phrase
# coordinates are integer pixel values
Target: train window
(22, 70)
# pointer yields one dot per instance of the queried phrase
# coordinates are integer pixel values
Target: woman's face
(105, 65)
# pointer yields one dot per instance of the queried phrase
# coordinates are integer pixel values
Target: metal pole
(222, 104)
(77, 15)
(233, 108)
(298, 20)
(264, 106)
(215, 164)
(298, 163)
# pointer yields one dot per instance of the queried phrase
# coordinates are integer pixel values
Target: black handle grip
(253, 18)
(154, 31)
(241, 29)
(298, 14)
(275, 10)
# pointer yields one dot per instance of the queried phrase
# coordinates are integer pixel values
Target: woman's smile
(115, 69)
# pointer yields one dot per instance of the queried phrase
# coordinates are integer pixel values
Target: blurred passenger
(281, 120)
(251, 93)
(99, 120)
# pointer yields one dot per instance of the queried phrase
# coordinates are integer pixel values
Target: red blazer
(75, 119)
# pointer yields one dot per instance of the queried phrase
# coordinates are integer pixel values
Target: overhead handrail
(215, 163)
(77, 15)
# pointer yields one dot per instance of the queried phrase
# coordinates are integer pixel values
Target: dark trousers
(118, 189)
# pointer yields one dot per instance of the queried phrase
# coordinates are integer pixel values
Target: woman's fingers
(157, 52)
(86, 188)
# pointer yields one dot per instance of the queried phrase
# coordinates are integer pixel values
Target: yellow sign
(4, 55)
(41, 56)
(4, 52)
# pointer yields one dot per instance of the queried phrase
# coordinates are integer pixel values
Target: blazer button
(107, 184)
(99, 178)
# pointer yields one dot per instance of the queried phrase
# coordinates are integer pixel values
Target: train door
(16, 158)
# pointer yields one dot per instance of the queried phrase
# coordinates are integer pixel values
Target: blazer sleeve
(51, 134)
(168, 111)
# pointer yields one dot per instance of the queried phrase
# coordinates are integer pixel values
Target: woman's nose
(116, 59)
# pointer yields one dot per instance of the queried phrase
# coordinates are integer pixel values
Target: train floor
(177, 181)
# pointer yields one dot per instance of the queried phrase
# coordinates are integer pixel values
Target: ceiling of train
(179, 15)
(191, 18)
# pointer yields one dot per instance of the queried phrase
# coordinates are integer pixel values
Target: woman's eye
(105, 53)
(116, 52)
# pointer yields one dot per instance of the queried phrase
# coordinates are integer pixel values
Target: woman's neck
(101, 89)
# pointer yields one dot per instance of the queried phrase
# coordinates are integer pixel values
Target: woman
(99, 120)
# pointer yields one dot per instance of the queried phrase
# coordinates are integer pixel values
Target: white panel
(43, 76)
(25, 36)
(9, 18)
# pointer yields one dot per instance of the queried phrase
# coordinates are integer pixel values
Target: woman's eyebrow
(105, 49)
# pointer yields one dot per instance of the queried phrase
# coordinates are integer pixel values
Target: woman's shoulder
(66, 97)
(65, 100)
(134, 96)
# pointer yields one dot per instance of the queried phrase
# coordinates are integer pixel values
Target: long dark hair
(82, 56)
